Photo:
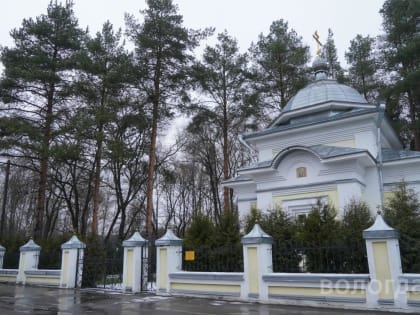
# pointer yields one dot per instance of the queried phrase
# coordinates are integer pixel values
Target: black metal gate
(105, 271)
(148, 273)
(144, 279)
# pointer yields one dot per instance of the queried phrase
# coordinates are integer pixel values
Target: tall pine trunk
(43, 166)
(151, 170)
(97, 182)
(226, 190)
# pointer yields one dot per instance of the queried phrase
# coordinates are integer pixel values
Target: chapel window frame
(301, 172)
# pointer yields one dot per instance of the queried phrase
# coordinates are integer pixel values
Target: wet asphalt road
(46, 301)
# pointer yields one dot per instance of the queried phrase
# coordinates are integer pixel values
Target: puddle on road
(150, 299)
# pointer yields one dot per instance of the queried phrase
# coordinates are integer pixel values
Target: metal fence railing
(335, 257)
(11, 259)
(227, 258)
(50, 260)
(410, 254)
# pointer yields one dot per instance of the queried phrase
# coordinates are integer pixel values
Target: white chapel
(328, 143)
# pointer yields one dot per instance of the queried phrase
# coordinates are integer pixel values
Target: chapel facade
(327, 144)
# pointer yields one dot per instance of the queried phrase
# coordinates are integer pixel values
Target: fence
(248, 276)
(373, 277)
(410, 254)
(227, 258)
(23, 267)
(332, 257)
(11, 260)
(106, 267)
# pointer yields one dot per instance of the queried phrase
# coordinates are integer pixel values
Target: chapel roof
(322, 91)
(326, 152)
(313, 120)
(389, 155)
(322, 151)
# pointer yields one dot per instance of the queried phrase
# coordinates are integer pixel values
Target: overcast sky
(243, 19)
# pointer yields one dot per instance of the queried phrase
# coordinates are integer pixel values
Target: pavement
(46, 301)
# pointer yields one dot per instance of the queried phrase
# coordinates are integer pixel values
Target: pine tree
(356, 219)
(401, 52)
(279, 63)
(35, 88)
(329, 53)
(200, 232)
(362, 65)
(163, 53)
(318, 232)
(105, 66)
(223, 76)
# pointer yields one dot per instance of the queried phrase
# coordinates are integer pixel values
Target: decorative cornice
(207, 276)
(247, 199)
(316, 278)
(314, 185)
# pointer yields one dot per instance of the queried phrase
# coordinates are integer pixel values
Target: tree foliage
(356, 218)
(223, 76)
(36, 86)
(329, 53)
(402, 212)
(279, 62)
(163, 55)
(361, 59)
(400, 47)
(81, 116)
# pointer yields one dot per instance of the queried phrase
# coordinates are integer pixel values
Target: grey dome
(320, 64)
(323, 91)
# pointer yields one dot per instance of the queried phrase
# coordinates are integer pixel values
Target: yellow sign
(189, 255)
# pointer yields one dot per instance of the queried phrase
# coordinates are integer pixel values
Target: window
(301, 172)
(300, 208)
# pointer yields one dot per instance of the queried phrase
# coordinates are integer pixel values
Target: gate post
(133, 277)
(28, 259)
(384, 261)
(2, 251)
(258, 260)
(168, 260)
(72, 263)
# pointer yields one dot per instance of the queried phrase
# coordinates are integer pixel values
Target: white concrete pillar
(168, 260)
(384, 261)
(258, 261)
(134, 271)
(72, 263)
(28, 259)
(2, 252)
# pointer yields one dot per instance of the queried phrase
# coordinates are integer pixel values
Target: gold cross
(318, 43)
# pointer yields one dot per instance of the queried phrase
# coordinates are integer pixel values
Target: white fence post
(168, 260)
(28, 259)
(72, 263)
(134, 273)
(384, 261)
(258, 260)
